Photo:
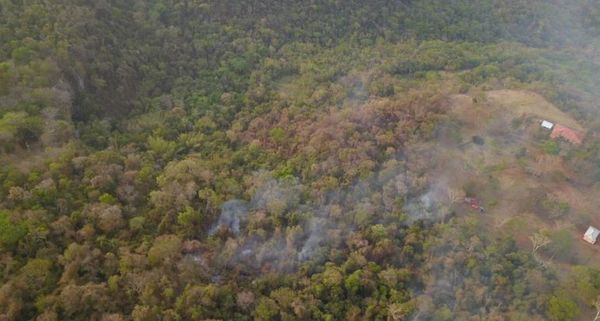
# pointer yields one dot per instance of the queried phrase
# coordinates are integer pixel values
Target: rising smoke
(316, 227)
(233, 214)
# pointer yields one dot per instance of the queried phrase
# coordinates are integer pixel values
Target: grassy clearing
(526, 102)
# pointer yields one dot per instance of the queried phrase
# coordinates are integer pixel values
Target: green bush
(551, 147)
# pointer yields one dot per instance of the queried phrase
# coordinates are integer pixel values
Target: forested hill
(297, 160)
(115, 54)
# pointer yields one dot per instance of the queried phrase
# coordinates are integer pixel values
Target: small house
(591, 235)
(546, 124)
(571, 135)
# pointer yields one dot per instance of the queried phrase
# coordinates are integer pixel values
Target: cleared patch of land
(527, 102)
(524, 188)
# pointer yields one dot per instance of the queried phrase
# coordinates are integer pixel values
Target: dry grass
(520, 102)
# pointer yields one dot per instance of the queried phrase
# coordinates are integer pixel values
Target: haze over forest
(171, 160)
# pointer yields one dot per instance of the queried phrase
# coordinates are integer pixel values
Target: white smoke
(233, 214)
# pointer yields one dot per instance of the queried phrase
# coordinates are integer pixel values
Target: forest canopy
(295, 160)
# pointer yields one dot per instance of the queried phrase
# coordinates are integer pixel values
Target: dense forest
(280, 160)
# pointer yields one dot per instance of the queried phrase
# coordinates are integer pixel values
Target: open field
(520, 102)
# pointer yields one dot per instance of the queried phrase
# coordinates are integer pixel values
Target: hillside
(283, 160)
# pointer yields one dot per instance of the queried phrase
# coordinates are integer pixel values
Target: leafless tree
(597, 306)
(538, 240)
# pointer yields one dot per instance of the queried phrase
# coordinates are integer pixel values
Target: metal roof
(591, 235)
(547, 124)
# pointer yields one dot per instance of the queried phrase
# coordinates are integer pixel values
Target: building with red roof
(571, 135)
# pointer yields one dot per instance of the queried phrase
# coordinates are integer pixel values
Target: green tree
(165, 247)
(266, 309)
(561, 308)
(189, 221)
(10, 232)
